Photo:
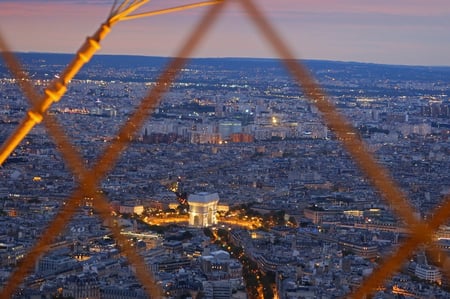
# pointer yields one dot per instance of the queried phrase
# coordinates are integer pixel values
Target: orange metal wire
(58, 87)
(420, 232)
(89, 180)
(334, 120)
(394, 262)
(54, 92)
(378, 175)
(73, 159)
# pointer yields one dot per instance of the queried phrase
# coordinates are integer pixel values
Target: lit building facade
(203, 209)
(131, 209)
(429, 273)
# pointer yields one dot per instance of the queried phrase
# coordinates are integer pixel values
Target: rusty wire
(58, 87)
(421, 232)
(379, 176)
(89, 180)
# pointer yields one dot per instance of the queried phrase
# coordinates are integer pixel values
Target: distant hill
(40, 63)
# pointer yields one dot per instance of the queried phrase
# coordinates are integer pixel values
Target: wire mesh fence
(89, 180)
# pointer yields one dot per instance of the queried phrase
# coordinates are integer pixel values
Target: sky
(408, 32)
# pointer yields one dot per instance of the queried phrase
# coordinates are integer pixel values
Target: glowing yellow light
(274, 120)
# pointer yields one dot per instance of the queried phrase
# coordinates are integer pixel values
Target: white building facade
(203, 209)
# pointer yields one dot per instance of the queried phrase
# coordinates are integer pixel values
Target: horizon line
(242, 58)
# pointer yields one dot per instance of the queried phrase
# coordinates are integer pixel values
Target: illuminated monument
(202, 209)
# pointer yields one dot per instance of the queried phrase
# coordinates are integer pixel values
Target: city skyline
(403, 32)
(292, 200)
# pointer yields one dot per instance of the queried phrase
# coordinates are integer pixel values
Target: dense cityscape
(235, 187)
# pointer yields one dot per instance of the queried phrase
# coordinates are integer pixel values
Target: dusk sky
(383, 31)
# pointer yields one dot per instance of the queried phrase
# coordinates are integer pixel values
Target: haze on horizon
(411, 32)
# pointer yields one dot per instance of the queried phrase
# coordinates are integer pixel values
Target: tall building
(203, 209)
